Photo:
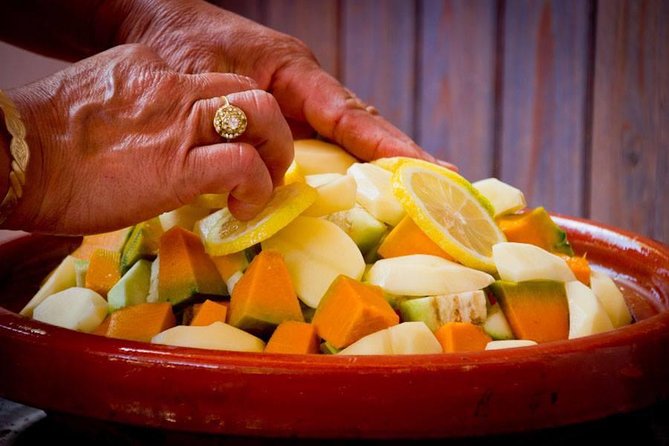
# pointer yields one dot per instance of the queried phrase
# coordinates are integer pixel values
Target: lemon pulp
(450, 211)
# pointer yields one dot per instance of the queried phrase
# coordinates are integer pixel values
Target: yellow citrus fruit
(450, 211)
(392, 163)
(223, 234)
(294, 174)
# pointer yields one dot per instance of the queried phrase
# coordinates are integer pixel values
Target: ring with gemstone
(229, 121)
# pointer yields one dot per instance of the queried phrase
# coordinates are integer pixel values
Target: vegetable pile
(396, 256)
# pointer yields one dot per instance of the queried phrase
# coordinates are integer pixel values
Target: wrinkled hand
(195, 37)
(120, 137)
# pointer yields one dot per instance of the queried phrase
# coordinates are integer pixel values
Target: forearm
(64, 29)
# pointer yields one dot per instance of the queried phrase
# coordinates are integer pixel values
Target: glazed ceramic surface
(447, 395)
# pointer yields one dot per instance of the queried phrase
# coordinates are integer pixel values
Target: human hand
(120, 137)
(195, 37)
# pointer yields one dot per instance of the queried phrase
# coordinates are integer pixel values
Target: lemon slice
(391, 163)
(223, 234)
(450, 211)
(294, 174)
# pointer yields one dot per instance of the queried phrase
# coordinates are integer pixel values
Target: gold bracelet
(20, 156)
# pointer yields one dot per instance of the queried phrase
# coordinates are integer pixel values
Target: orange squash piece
(230, 264)
(104, 270)
(141, 322)
(264, 296)
(535, 227)
(293, 337)
(209, 312)
(102, 328)
(536, 310)
(350, 310)
(110, 241)
(185, 268)
(459, 337)
(580, 267)
(407, 238)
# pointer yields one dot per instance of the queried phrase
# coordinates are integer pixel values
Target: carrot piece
(580, 267)
(111, 241)
(185, 269)
(102, 328)
(535, 227)
(457, 337)
(209, 312)
(350, 310)
(141, 322)
(293, 337)
(104, 270)
(536, 310)
(264, 296)
(407, 238)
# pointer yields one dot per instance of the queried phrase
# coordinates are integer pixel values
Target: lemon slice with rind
(450, 211)
(391, 163)
(223, 234)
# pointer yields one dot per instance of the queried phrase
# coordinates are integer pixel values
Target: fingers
(339, 115)
(307, 93)
(267, 129)
(227, 167)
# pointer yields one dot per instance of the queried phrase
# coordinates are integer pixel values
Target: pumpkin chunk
(350, 310)
(141, 322)
(185, 268)
(293, 337)
(459, 337)
(536, 309)
(264, 296)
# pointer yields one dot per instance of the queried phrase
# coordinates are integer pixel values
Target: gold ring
(229, 121)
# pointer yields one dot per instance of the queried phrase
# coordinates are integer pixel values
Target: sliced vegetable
(407, 238)
(209, 312)
(535, 227)
(185, 269)
(74, 308)
(61, 278)
(293, 337)
(350, 310)
(511, 343)
(264, 296)
(580, 267)
(587, 315)
(141, 322)
(459, 337)
(110, 241)
(425, 275)
(519, 262)
(143, 242)
(536, 310)
(231, 267)
(503, 197)
(132, 288)
(104, 270)
(611, 298)
(217, 336)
